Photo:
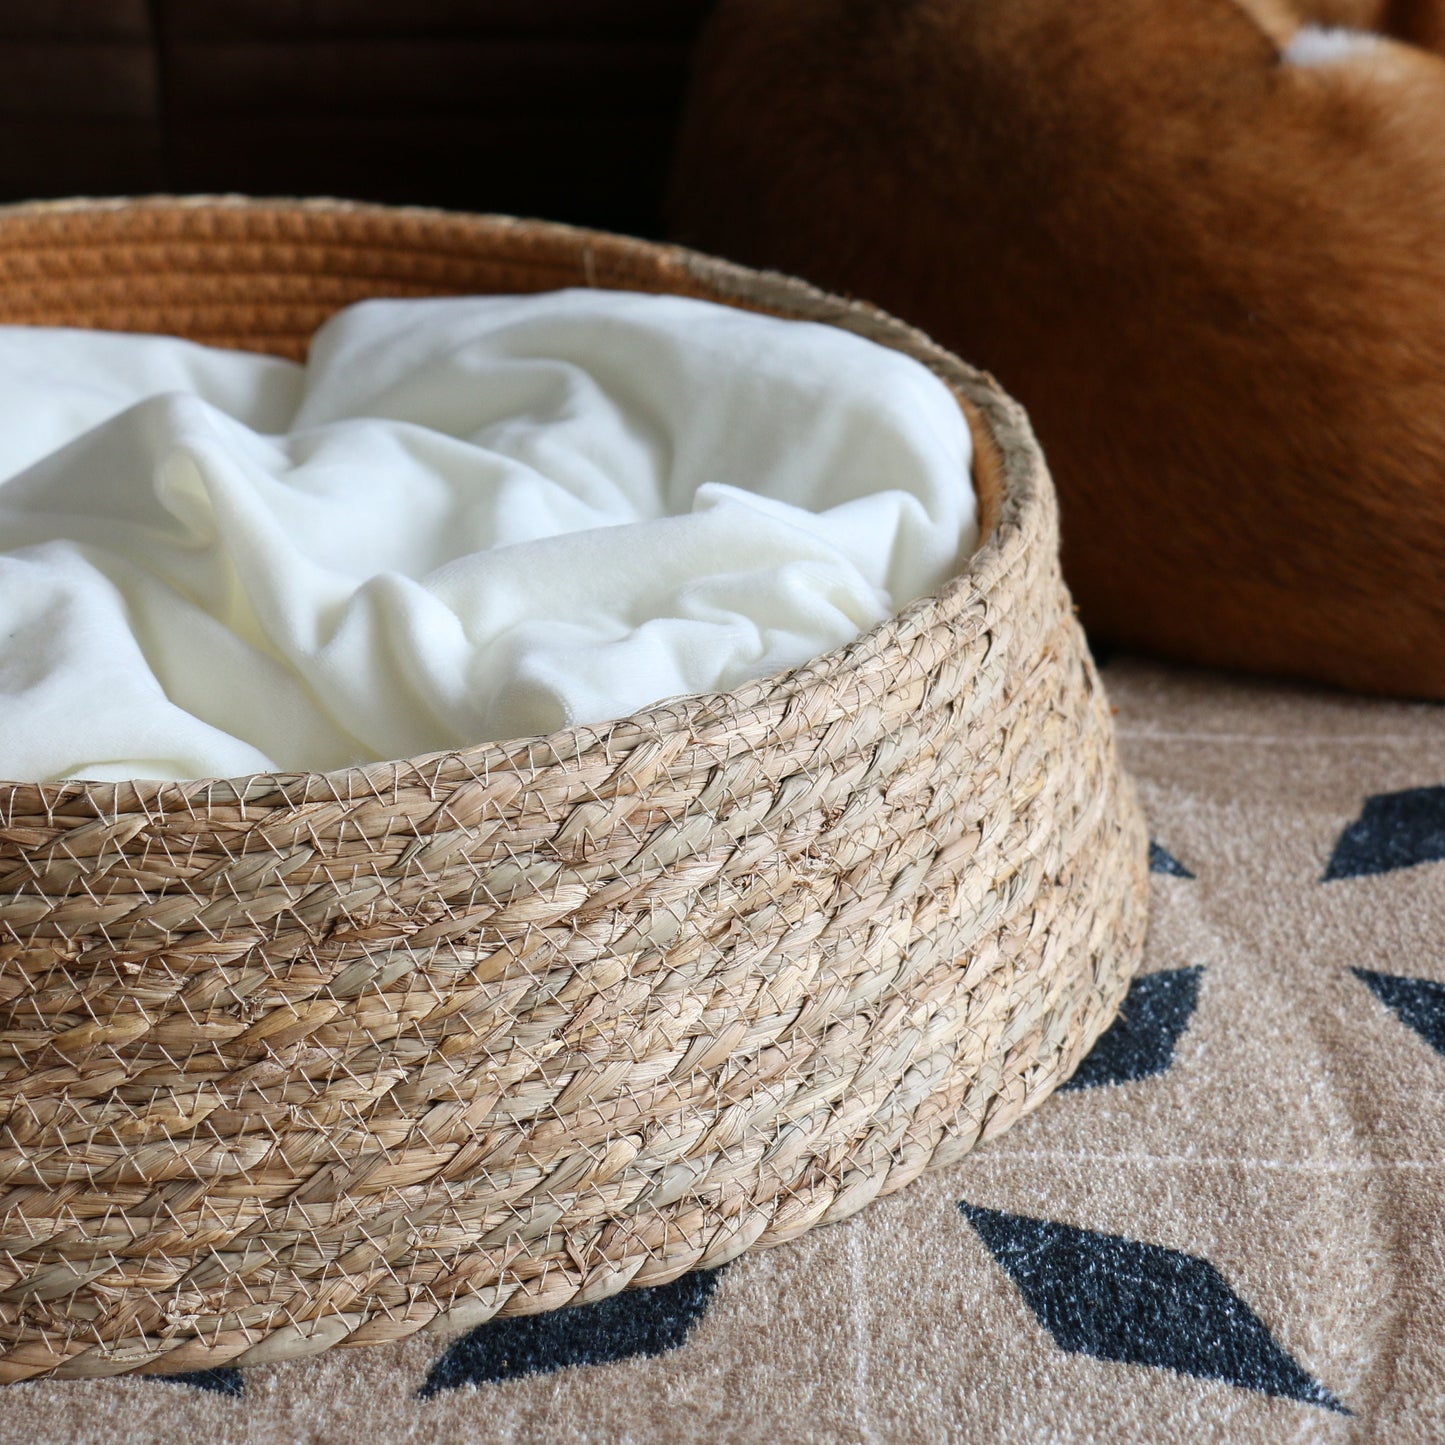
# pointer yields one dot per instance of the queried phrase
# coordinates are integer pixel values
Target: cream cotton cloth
(464, 519)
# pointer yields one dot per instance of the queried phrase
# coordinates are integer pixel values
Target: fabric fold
(463, 520)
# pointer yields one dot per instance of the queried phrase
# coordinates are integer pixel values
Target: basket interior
(263, 276)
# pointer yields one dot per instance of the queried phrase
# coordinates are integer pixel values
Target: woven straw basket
(297, 1061)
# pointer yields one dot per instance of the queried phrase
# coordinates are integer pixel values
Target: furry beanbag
(1202, 240)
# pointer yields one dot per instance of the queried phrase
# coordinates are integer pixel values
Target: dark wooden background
(557, 108)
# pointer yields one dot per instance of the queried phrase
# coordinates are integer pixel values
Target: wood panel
(560, 108)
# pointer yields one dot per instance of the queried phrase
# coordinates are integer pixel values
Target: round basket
(297, 1061)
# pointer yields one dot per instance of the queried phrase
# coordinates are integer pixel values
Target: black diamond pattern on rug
(1419, 1002)
(1141, 1304)
(1163, 861)
(637, 1322)
(221, 1382)
(1394, 830)
(1141, 1041)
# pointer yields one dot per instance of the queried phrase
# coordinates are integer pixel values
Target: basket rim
(1009, 522)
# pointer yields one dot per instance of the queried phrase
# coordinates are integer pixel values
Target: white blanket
(463, 520)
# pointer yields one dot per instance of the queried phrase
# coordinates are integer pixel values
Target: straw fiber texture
(288, 1062)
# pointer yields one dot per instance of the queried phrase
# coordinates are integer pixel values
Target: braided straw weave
(289, 1062)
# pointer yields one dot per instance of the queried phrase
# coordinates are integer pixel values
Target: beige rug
(1233, 1231)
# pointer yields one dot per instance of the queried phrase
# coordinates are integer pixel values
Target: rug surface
(1229, 1227)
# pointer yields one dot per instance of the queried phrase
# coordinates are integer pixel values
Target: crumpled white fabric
(465, 519)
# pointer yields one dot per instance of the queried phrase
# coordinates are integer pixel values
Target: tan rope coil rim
(296, 1061)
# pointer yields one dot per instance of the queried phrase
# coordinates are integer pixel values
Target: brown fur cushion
(1206, 252)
